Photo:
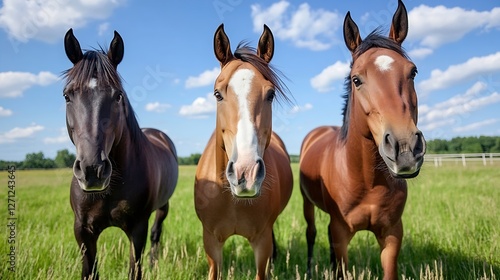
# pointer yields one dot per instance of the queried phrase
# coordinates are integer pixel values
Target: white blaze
(384, 62)
(246, 138)
(93, 83)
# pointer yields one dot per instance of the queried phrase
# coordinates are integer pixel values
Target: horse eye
(119, 97)
(357, 82)
(66, 97)
(414, 73)
(270, 95)
(218, 96)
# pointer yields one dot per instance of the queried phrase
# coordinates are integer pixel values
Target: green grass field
(452, 231)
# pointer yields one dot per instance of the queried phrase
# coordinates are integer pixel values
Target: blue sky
(169, 66)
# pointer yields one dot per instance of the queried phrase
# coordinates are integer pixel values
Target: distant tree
(455, 145)
(496, 148)
(4, 165)
(195, 158)
(471, 145)
(64, 159)
(437, 146)
(294, 158)
(191, 160)
(37, 161)
(487, 142)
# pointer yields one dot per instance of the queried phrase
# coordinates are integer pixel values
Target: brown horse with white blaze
(356, 173)
(244, 179)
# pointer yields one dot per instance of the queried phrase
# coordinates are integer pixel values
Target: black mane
(373, 40)
(94, 64)
(248, 54)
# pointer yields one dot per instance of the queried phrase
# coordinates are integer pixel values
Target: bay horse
(356, 173)
(244, 178)
(121, 173)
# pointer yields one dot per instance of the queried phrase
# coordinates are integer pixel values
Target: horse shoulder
(159, 165)
(318, 163)
(279, 169)
(206, 165)
(318, 149)
(207, 184)
(160, 140)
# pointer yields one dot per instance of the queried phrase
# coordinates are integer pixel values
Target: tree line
(38, 160)
(457, 145)
(65, 159)
(464, 145)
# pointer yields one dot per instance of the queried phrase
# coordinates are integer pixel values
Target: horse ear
(116, 49)
(265, 48)
(222, 47)
(72, 47)
(399, 27)
(351, 33)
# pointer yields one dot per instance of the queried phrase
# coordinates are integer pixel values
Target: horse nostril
(390, 147)
(100, 169)
(242, 180)
(104, 169)
(230, 168)
(261, 169)
(419, 144)
(77, 169)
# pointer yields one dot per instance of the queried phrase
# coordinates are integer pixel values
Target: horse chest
(226, 216)
(379, 208)
(121, 211)
(362, 217)
(102, 213)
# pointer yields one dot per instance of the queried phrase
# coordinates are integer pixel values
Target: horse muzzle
(246, 180)
(403, 156)
(93, 176)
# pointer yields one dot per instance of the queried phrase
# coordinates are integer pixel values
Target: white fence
(484, 158)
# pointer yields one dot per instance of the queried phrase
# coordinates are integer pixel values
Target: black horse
(121, 173)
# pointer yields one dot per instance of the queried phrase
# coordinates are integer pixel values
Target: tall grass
(452, 231)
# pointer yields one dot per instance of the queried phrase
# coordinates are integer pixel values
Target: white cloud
(157, 107)
(204, 79)
(461, 72)
(103, 27)
(5, 112)
(324, 80)
(298, 109)
(61, 138)
(476, 125)
(201, 107)
(304, 26)
(13, 84)
(420, 53)
(19, 132)
(48, 20)
(435, 26)
(437, 124)
(458, 106)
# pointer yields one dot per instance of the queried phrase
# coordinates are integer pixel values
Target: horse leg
(339, 237)
(213, 250)
(308, 208)
(390, 243)
(87, 240)
(275, 248)
(262, 247)
(137, 237)
(156, 229)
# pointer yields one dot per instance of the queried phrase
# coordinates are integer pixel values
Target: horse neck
(221, 159)
(362, 156)
(131, 144)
